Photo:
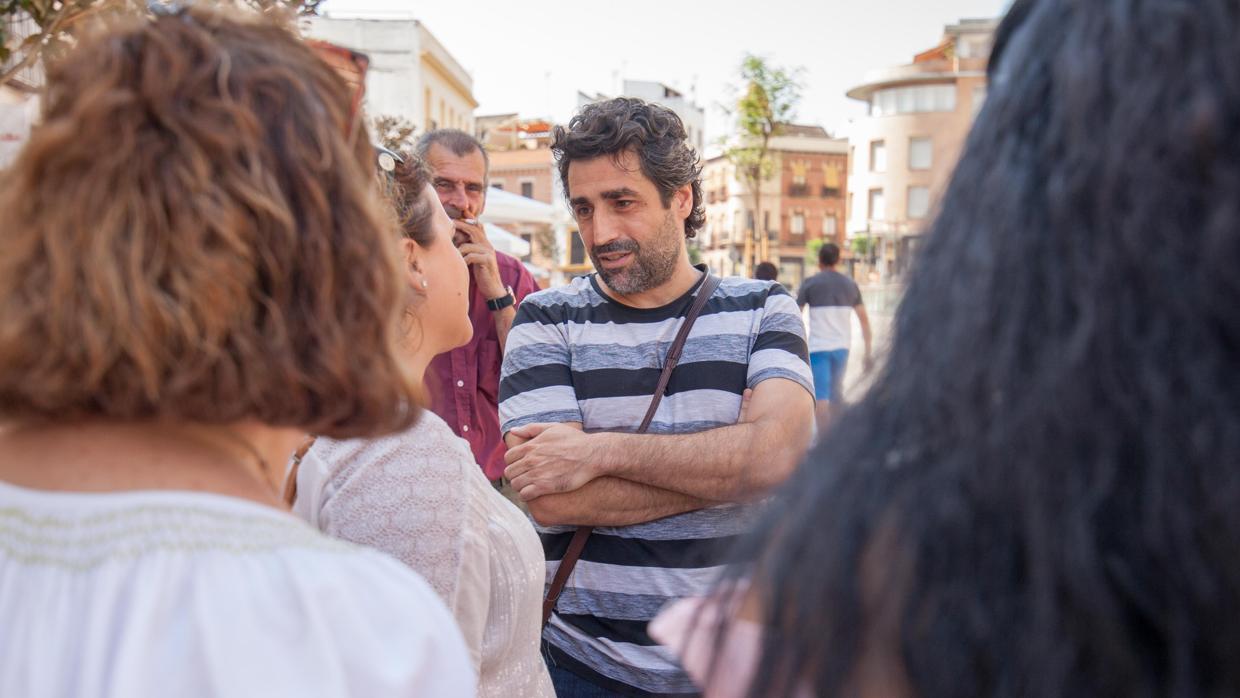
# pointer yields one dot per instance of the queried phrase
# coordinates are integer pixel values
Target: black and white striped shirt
(574, 355)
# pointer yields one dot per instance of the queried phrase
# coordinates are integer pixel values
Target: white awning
(505, 241)
(506, 207)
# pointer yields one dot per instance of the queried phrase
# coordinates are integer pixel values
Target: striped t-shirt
(574, 355)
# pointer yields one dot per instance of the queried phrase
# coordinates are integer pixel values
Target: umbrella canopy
(506, 207)
(506, 242)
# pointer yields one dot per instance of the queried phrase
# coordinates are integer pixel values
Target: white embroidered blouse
(420, 497)
(169, 593)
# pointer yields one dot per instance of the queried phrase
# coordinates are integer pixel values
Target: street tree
(764, 103)
(34, 31)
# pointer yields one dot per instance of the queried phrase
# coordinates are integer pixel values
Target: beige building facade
(411, 75)
(522, 164)
(902, 154)
(803, 201)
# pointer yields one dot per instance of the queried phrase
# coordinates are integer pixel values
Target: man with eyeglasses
(465, 382)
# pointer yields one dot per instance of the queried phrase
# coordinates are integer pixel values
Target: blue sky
(532, 57)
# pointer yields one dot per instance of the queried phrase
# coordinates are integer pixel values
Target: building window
(798, 223)
(766, 221)
(830, 180)
(852, 155)
(577, 249)
(830, 226)
(498, 185)
(914, 99)
(527, 190)
(799, 186)
(920, 153)
(878, 205)
(973, 46)
(878, 156)
(918, 202)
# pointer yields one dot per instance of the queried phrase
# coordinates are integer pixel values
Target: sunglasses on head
(350, 65)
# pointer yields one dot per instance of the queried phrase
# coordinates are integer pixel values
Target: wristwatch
(497, 304)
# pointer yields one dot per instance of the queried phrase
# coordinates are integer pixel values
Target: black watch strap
(502, 302)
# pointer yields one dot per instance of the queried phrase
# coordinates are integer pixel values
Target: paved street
(880, 302)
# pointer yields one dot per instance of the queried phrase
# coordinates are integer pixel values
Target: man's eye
(624, 203)
(581, 211)
(443, 185)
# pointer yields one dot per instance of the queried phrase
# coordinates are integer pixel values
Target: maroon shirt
(464, 383)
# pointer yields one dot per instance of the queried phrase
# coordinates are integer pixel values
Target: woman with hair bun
(419, 495)
(197, 271)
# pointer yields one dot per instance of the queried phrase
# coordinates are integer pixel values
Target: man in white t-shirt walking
(832, 299)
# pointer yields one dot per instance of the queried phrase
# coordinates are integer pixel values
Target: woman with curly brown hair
(198, 270)
(420, 496)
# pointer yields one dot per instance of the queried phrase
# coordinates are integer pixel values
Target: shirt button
(465, 428)
(460, 384)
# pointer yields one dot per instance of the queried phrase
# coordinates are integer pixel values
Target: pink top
(464, 383)
(689, 628)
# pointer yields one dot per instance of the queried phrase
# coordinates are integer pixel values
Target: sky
(533, 57)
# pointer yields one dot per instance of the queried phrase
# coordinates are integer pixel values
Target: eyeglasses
(349, 65)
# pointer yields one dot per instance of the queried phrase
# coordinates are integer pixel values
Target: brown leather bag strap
(290, 481)
(578, 543)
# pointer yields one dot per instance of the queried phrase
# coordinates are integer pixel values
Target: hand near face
(470, 238)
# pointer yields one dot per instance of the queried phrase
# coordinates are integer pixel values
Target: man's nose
(456, 197)
(605, 228)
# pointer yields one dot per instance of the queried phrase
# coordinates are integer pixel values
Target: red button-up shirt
(464, 383)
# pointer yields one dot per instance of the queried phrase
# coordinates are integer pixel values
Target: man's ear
(682, 201)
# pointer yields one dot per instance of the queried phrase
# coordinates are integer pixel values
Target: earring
(424, 284)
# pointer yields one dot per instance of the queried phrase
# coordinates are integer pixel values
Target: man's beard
(652, 265)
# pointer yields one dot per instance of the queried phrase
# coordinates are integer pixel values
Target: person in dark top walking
(832, 299)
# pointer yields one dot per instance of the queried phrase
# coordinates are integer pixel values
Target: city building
(803, 201)
(693, 116)
(903, 152)
(522, 164)
(411, 74)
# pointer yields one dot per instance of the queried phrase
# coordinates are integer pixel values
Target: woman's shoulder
(248, 601)
(427, 449)
(370, 623)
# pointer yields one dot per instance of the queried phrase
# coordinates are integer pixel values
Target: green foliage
(811, 253)
(695, 252)
(863, 246)
(548, 244)
(46, 28)
(394, 132)
(765, 102)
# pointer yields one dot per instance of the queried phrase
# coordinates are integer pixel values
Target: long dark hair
(1040, 495)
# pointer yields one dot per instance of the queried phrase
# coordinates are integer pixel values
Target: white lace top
(421, 497)
(167, 593)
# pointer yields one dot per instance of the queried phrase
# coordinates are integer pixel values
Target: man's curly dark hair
(654, 133)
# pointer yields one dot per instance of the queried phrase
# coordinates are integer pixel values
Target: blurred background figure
(832, 299)
(419, 495)
(1039, 495)
(177, 309)
(766, 271)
